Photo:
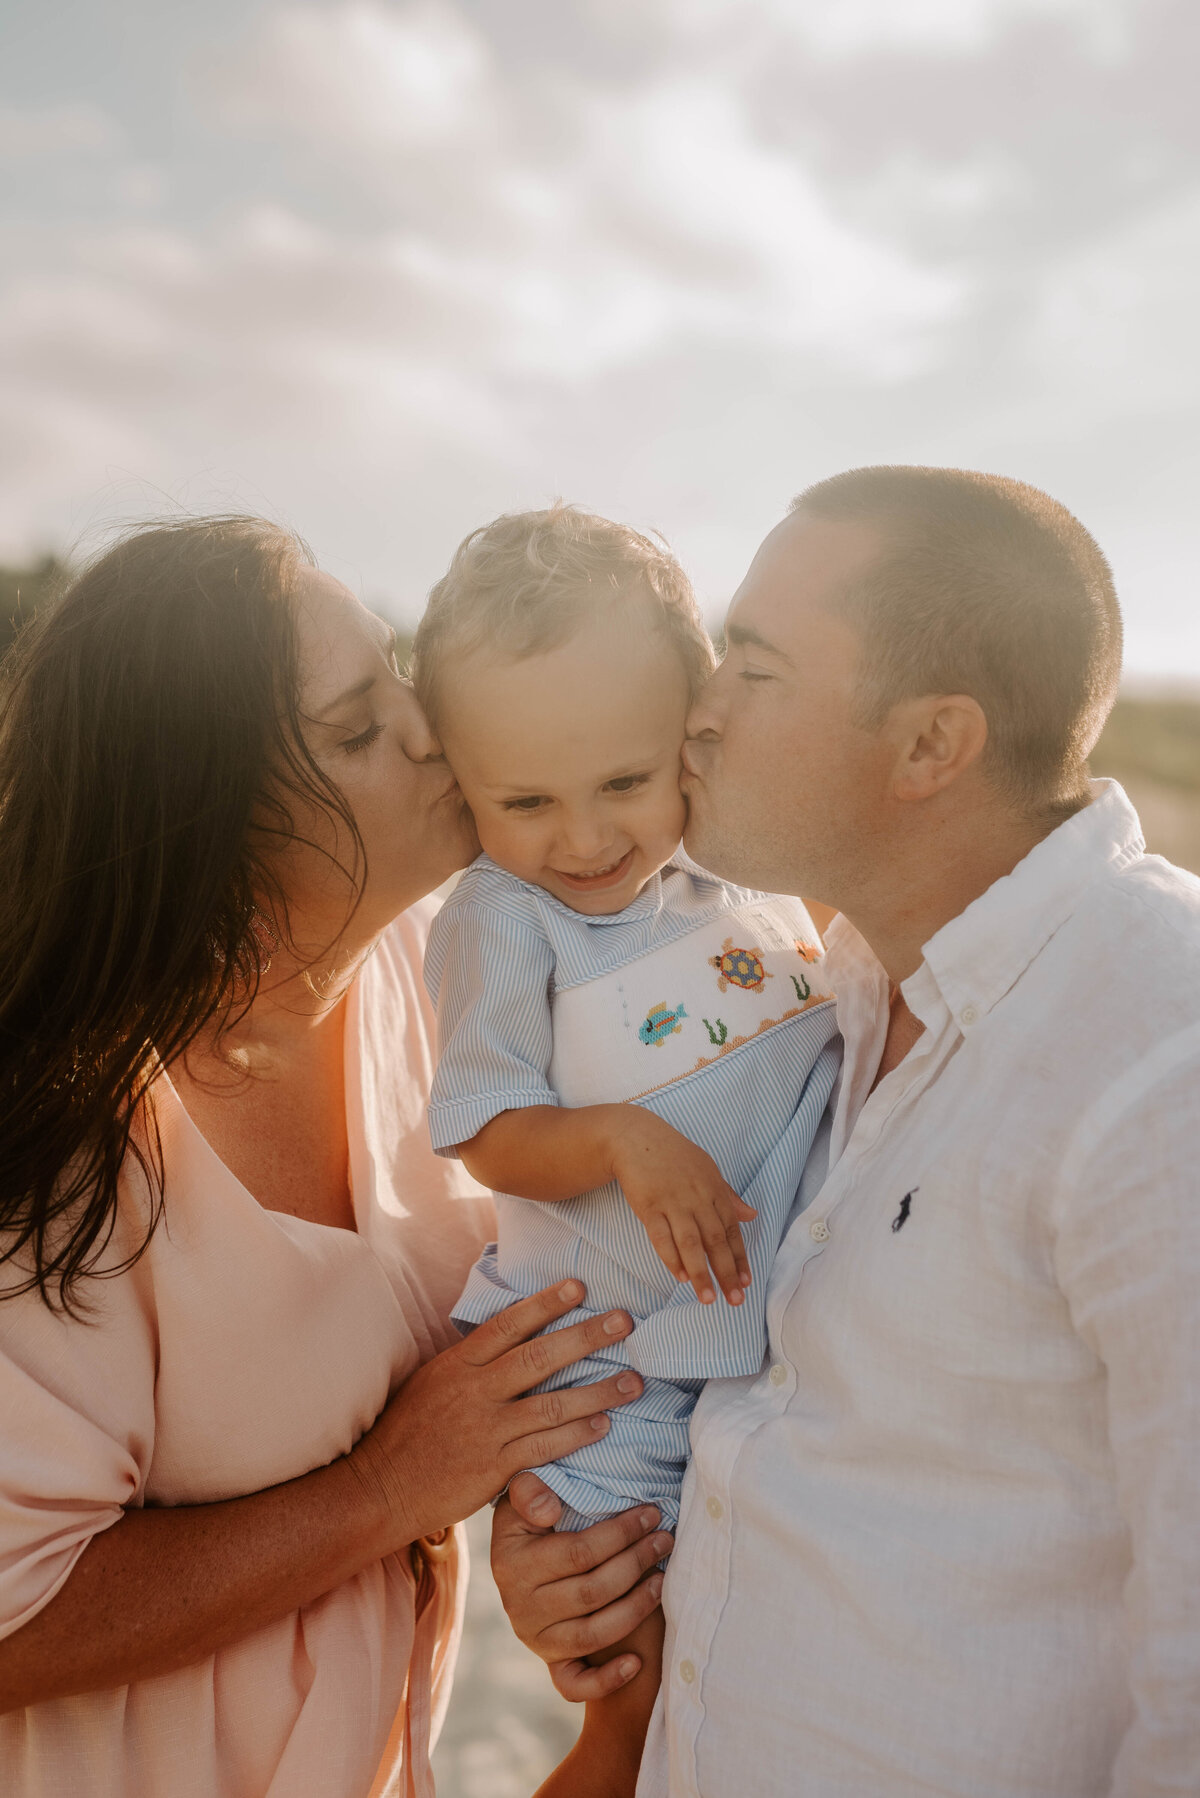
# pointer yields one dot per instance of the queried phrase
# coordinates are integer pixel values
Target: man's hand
(691, 1215)
(572, 1594)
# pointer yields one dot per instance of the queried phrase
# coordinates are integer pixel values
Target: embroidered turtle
(807, 951)
(660, 1022)
(739, 967)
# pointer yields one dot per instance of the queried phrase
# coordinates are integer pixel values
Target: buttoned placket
(689, 1650)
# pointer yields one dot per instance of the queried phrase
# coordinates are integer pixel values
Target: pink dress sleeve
(77, 1404)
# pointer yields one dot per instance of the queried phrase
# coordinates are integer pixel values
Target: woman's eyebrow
(355, 692)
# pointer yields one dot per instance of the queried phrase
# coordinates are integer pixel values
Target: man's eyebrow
(745, 636)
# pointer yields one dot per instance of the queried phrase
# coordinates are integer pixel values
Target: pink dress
(245, 1348)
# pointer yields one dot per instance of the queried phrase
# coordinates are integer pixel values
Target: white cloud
(843, 28)
(29, 132)
(489, 258)
(360, 76)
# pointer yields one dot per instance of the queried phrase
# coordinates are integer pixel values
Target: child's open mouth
(603, 877)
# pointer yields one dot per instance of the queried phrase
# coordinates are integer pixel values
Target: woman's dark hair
(151, 760)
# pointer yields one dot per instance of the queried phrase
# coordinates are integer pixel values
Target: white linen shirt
(947, 1542)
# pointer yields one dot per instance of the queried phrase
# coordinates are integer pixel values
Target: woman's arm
(161, 1589)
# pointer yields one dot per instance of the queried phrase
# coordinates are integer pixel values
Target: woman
(228, 1252)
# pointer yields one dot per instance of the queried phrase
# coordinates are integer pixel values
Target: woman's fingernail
(735, 1297)
(747, 1276)
(627, 1669)
(628, 1382)
(541, 1505)
(662, 1546)
(655, 1585)
(570, 1292)
(706, 1295)
(599, 1424)
(614, 1324)
(648, 1519)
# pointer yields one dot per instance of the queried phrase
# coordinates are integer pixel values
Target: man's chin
(708, 851)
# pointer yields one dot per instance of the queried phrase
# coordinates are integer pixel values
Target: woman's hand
(689, 1211)
(576, 1593)
(459, 1429)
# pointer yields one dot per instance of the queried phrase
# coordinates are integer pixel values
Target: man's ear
(937, 739)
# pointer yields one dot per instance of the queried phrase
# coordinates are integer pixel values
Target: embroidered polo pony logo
(660, 1022)
(739, 967)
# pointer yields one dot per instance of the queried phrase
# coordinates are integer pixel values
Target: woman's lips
(604, 877)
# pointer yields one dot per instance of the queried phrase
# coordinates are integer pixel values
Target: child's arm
(690, 1214)
(605, 1761)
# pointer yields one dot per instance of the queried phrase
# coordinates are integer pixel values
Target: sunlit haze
(384, 270)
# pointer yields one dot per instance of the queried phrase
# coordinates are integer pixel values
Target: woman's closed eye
(364, 739)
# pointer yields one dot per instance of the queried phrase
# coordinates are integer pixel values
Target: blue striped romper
(701, 1001)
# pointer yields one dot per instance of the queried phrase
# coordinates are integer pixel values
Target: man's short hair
(988, 587)
(526, 582)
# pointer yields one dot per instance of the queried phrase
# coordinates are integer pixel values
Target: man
(946, 1543)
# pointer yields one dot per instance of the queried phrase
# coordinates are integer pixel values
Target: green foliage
(1158, 739)
(22, 590)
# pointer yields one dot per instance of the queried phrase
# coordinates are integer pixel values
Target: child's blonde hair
(525, 582)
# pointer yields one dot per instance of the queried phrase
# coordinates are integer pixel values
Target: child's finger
(663, 1243)
(721, 1259)
(695, 1261)
(745, 1212)
(737, 1249)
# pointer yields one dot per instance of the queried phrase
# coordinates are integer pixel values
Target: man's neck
(932, 879)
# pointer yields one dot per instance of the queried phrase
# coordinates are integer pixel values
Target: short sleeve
(489, 976)
(77, 1403)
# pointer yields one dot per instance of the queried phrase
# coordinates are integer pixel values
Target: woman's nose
(416, 733)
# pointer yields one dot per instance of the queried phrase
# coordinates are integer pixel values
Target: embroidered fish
(807, 951)
(739, 967)
(660, 1022)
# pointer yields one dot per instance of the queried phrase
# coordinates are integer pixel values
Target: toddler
(633, 1054)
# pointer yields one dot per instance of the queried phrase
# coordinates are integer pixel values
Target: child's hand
(690, 1214)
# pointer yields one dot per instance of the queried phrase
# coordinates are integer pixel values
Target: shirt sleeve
(77, 1402)
(489, 975)
(1127, 1257)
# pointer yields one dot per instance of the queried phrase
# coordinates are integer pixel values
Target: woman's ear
(939, 738)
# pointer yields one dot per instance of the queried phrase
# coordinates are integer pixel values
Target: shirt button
(687, 1672)
(716, 1509)
(968, 1015)
(778, 1374)
(819, 1230)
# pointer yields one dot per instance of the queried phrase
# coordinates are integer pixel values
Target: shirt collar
(978, 956)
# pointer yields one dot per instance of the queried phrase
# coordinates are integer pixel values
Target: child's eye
(752, 674)
(363, 741)
(530, 802)
(626, 783)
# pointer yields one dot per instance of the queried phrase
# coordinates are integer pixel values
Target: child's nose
(586, 837)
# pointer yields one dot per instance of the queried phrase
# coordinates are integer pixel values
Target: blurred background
(383, 268)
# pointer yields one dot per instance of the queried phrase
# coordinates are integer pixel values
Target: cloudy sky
(383, 268)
